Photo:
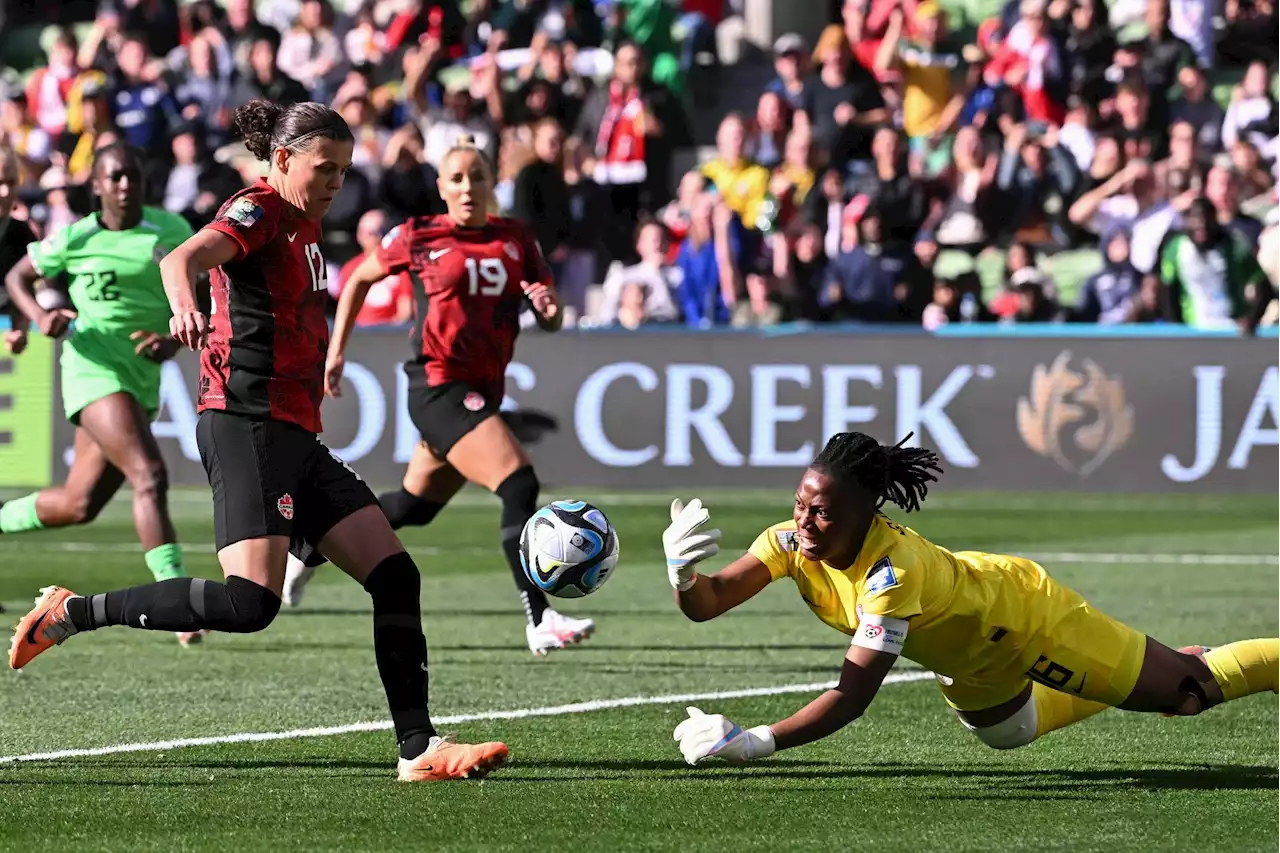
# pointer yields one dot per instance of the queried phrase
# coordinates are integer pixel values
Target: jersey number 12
(492, 271)
(315, 263)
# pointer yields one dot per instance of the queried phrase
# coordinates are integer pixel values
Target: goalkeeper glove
(704, 735)
(684, 545)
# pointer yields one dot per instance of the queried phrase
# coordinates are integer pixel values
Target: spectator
(900, 198)
(1197, 106)
(1118, 202)
(791, 65)
(863, 283)
(843, 102)
(1113, 295)
(145, 111)
(740, 183)
(264, 79)
(157, 19)
(1037, 180)
(1222, 189)
(653, 278)
(94, 119)
(352, 103)
(853, 34)
(1213, 278)
(1250, 32)
(1140, 134)
(548, 87)
(364, 44)
(1255, 181)
(408, 185)
(1151, 305)
(1089, 48)
(1252, 113)
(541, 195)
(710, 251)
(1020, 264)
(204, 92)
(945, 307)
(791, 181)
(588, 207)
(48, 88)
(962, 217)
(196, 185)
(459, 116)
(1029, 62)
(769, 133)
(1158, 57)
(241, 30)
(390, 301)
(1184, 156)
(1077, 135)
(1107, 161)
(30, 144)
(309, 51)
(934, 82)
(1035, 302)
(676, 215)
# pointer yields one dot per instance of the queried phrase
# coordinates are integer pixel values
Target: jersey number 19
(491, 271)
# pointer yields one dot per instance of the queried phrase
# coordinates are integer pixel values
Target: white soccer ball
(568, 549)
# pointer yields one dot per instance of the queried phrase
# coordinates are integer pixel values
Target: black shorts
(445, 413)
(274, 478)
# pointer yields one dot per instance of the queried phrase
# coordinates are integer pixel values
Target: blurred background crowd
(916, 162)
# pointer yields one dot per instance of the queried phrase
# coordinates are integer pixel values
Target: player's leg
(489, 455)
(90, 485)
(1006, 713)
(253, 468)
(1184, 683)
(122, 429)
(342, 519)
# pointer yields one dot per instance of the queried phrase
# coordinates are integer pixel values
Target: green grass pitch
(907, 776)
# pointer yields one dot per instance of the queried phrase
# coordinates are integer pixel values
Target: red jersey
(267, 332)
(467, 284)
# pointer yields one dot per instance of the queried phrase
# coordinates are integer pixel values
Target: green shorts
(96, 365)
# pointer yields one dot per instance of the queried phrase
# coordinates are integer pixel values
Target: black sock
(238, 606)
(401, 650)
(405, 509)
(519, 494)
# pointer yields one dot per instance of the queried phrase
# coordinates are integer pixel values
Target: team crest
(787, 540)
(473, 402)
(512, 250)
(881, 576)
(245, 211)
(285, 505)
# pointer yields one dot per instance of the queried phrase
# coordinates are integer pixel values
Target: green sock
(165, 562)
(19, 515)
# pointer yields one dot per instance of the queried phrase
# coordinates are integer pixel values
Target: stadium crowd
(1044, 160)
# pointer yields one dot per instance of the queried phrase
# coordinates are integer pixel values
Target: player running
(111, 364)
(464, 266)
(1016, 653)
(276, 487)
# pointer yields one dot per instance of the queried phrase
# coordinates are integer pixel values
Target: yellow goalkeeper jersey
(956, 614)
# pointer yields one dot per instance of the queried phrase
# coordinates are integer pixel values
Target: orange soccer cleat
(445, 760)
(44, 627)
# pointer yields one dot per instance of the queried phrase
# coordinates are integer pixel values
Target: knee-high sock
(519, 495)
(1245, 667)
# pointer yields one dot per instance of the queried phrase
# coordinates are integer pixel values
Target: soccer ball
(568, 549)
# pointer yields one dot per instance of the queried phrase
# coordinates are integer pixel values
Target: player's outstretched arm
(370, 270)
(179, 271)
(20, 282)
(703, 736)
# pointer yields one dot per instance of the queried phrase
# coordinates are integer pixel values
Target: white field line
(9, 545)
(516, 714)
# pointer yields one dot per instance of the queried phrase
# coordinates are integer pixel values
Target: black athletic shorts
(445, 413)
(274, 478)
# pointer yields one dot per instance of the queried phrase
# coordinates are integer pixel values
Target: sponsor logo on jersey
(285, 505)
(245, 211)
(881, 576)
(473, 402)
(512, 250)
(437, 254)
(787, 540)
(1076, 418)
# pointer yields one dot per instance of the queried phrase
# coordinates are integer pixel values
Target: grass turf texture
(907, 775)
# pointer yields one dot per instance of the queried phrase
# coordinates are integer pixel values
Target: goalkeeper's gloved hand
(685, 546)
(705, 735)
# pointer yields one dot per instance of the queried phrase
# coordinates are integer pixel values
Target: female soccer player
(465, 267)
(1016, 653)
(111, 365)
(276, 487)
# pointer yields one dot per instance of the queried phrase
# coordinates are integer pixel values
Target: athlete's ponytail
(266, 126)
(897, 474)
(467, 142)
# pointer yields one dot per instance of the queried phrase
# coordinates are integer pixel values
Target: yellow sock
(1055, 709)
(1246, 667)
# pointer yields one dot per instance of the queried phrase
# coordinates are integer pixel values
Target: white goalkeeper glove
(685, 546)
(705, 735)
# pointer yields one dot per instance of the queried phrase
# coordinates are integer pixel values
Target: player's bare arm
(369, 271)
(546, 305)
(20, 282)
(180, 270)
(860, 679)
(714, 594)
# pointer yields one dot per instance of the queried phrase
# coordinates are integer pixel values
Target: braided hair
(897, 474)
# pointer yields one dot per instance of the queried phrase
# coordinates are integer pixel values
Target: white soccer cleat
(557, 631)
(297, 575)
